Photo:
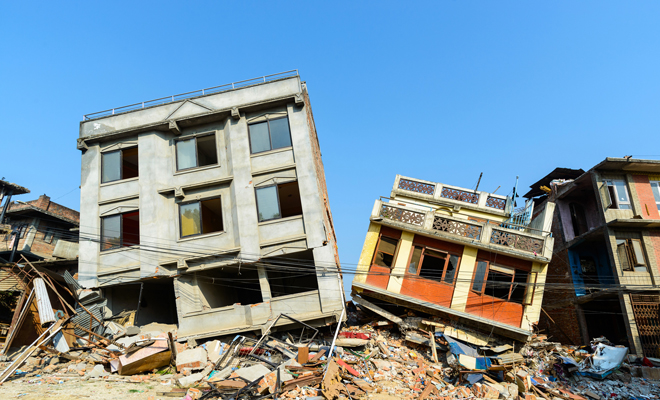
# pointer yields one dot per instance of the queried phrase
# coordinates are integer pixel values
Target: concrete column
(532, 312)
(31, 232)
(367, 254)
(263, 284)
(631, 325)
(400, 262)
(90, 224)
(464, 278)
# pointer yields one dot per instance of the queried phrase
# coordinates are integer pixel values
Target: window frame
(655, 189)
(615, 203)
(396, 250)
(121, 164)
(279, 205)
(201, 233)
(121, 230)
(195, 137)
(631, 257)
(421, 262)
(528, 285)
(270, 137)
(48, 232)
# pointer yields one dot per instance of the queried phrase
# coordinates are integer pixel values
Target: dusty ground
(97, 389)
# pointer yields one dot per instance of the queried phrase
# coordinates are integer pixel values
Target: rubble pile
(374, 354)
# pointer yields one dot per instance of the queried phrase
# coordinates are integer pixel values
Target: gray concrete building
(210, 209)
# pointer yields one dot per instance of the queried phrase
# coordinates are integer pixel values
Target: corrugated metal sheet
(46, 314)
(72, 283)
(83, 318)
(8, 282)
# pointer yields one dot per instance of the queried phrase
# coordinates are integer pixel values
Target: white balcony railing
(532, 242)
(439, 191)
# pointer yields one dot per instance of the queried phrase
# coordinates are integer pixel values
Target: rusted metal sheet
(9, 282)
(46, 314)
(646, 309)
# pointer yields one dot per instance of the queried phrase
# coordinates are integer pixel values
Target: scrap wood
(20, 319)
(309, 380)
(64, 302)
(59, 353)
(427, 391)
(348, 367)
(317, 356)
(53, 329)
(332, 387)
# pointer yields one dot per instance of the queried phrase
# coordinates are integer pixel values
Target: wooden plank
(434, 351)
(385, 314)
(146, 364)
(53, 329)
(16, 326)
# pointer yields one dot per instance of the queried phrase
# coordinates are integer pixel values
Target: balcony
(518, 241)
(438, 193)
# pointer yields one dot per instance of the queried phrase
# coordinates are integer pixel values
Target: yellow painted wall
(532, 312)
(464, 278)
(400, 262)
(367, 254)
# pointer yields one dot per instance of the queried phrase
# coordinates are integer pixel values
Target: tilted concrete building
(607, 254)
(458, 253)
(210, 209)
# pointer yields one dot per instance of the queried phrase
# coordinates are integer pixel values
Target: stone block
(193, 358)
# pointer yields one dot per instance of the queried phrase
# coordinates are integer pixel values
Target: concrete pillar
(263, 283)
(31, 233)
(400, 262)
(464, 278)
(532, 312)
(367, 254)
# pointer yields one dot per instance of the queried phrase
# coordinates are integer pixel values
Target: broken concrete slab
(193, 358)
(254, 372)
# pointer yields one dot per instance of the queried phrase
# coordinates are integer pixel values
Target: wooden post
(433, 349)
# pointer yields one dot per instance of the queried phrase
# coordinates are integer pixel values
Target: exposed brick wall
(559, 281)
(60, 227)
(645, 197)
(320, 173)
(655, 242)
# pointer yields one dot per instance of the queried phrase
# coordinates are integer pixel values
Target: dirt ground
(97, 389)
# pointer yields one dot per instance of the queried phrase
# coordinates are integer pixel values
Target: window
(618, 194)
(433, 264)
(121, 230)
(630, 254)
(119, 164)
(200, 217)
(278, 201)
(199, 151)
(655, 187)
(578, 219)
(504, 283)
(48, 236)
(269, 135)
(384, 256)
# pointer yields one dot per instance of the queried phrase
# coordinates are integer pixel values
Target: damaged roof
(13, 188)
(557, 173)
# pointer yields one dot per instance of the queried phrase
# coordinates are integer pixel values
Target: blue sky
(436, 90)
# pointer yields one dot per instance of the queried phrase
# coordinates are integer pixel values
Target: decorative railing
(460, 195)
(418, 187)
(520, 242)
(457, 228)
(496, 202)
(401, 215)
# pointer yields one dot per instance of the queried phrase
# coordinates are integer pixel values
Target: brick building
(44, 229)
(604, 277)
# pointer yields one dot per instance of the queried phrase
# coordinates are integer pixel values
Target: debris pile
(373, 354)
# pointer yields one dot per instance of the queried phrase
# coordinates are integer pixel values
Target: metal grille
(399, 214)
(457, 228)
(647, 318)
(460, 195)
(496, 202)
(519, 242)
(418, 187)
